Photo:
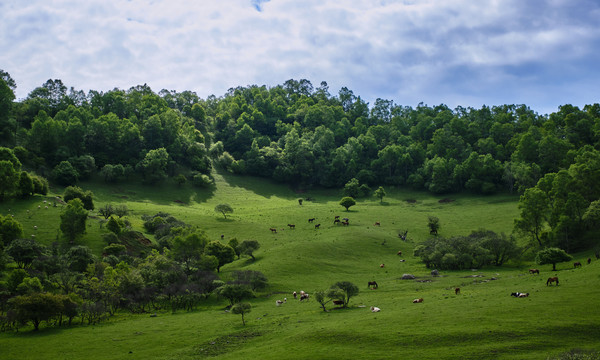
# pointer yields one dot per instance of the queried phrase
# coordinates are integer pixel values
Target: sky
(465, 53)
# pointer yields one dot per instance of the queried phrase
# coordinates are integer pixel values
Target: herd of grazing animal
(336, 221)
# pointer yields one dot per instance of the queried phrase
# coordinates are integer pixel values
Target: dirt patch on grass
(178, 201)
(226, 343)
(445, 200)
(411, 201)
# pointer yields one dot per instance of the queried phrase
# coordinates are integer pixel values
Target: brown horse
(577, 264)
(456, 291)
(373, 284)
(292, 226)
(273, 230)
(534, 271)
(551, 280)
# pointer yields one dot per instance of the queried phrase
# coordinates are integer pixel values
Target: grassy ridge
(484, 321)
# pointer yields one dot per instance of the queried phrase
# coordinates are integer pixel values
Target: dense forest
(305, 136)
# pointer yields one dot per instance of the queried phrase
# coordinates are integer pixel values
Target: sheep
(375, 309)
(278, 302)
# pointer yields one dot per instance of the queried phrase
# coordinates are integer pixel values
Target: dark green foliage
(255, 280)
(113, 226)
(10, 229)
(75, 192)
(65, 174)
(25, 187)
(234, 293)
(552, 256)
(73, 220)
(347, 202)
(224, 253)
(343, 290)
(433, 223)
(480, 248)
(37, 307)
(248, 247)
(79, 257)
(24, 251)
(224, 209)
(241, 309)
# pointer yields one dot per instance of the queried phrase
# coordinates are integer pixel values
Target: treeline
(306, 136)
(65, 284)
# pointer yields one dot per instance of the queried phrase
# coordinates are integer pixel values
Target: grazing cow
(419, 300)
(336, 221)
(295, 295)
(273, 230)
(381, 265)
(338, 302)
(589, 261)
(457, 291)
(375, 309)
(278, 302)
(292, 226)
(534, 271)
(377, 223)
(373, 284)
(399, 253)
(346, 219)
(519, 294)
(577, 264)
(304, 296)
(311, 220)
(317, 226)
(222, 237)
(551, 280)
(345, 223)
(337, 217)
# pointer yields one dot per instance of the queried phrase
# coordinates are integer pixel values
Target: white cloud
(407, 51)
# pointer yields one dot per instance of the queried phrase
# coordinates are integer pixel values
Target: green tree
(180, 180)
(433, 223)
(79, 257)
(154, 165)
(348, 289)
(25, 251)
(9, 178)
(241, 309)
(347, 202)
(224, 209)
(75, 192)
(188, 248)
(234, 243)
(113, 226)
(351, 189)
(224, 253)
(534, 214)
(37, 307)
(25, 187)
(234, 293)
(10, 229)
(73, 219)
(380, 193)
(65, 174)
(248, 247)
(552, 256)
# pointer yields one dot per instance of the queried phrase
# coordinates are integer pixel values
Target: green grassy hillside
(483, 321)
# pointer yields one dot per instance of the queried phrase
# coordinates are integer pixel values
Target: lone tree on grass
(552, 256)
(241, 309)
(343, 290)
(347, 202)
(434, 225)
(380, 193)
(224, 253)
(224, 209)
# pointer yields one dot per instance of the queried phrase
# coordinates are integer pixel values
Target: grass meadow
(482, 322)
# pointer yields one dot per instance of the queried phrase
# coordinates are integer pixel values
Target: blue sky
(457, 52)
